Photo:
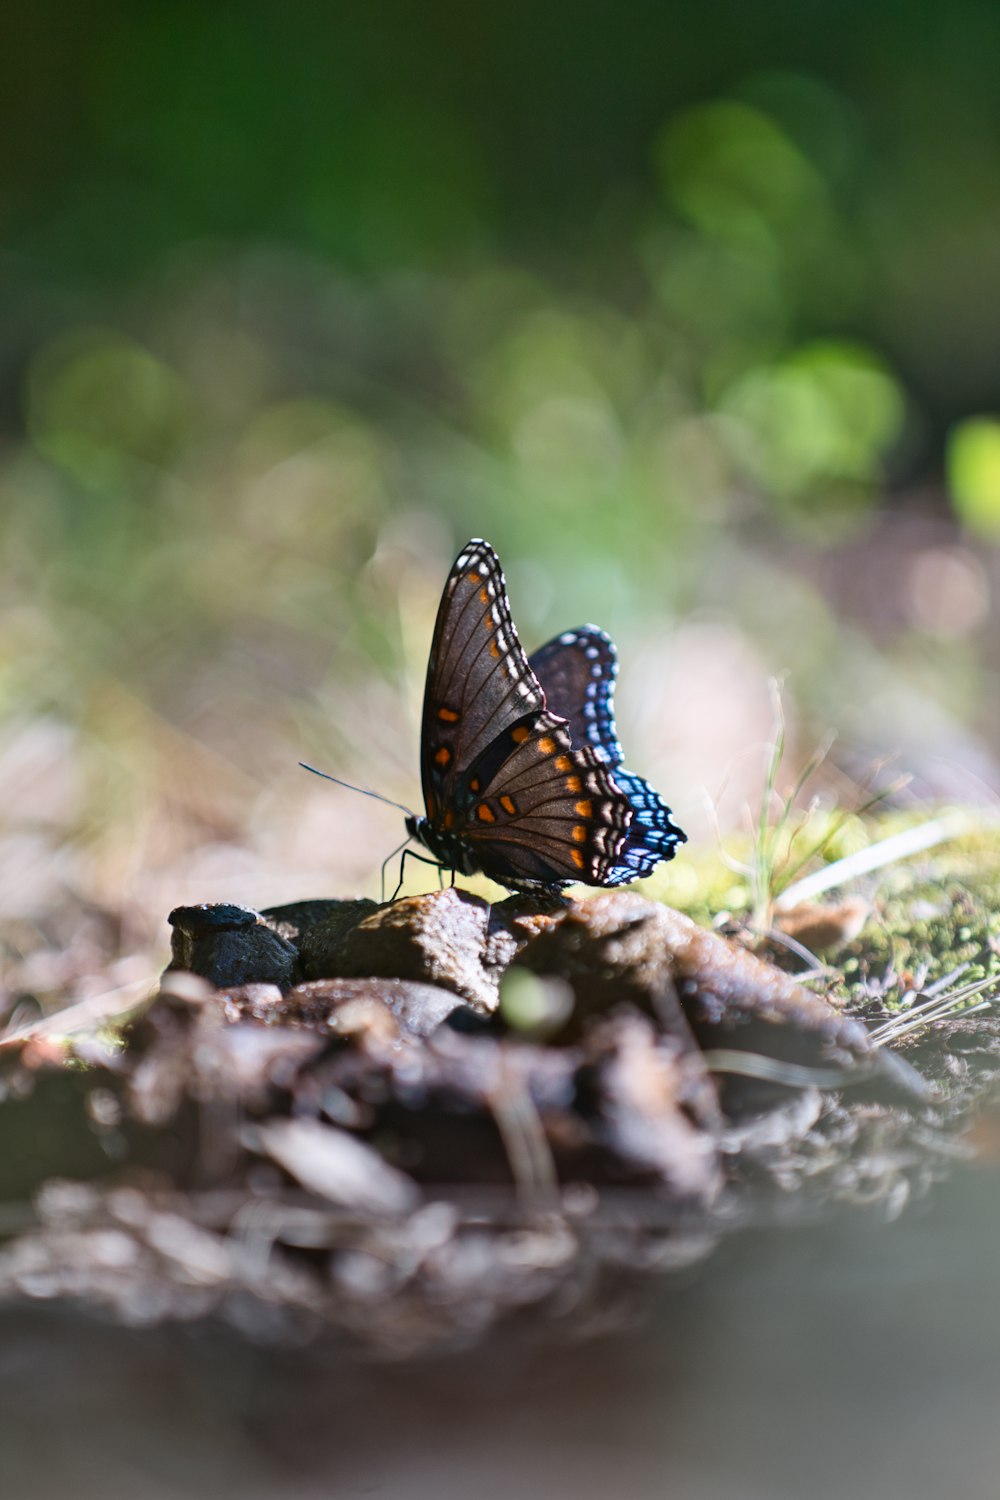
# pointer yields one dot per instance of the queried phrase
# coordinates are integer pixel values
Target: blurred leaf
(826, 412)
(737, 176)
(973, 463)
(102, 408)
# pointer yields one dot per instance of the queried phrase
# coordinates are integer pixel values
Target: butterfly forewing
(479, 685)
(551, 813)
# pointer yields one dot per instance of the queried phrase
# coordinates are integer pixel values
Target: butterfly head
(416, 828)
(449, 850)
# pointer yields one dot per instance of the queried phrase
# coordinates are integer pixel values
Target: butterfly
(520, 762)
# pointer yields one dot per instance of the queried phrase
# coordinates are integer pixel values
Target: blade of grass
(886, 851)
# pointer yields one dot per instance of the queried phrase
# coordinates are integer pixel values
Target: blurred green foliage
(974, 474)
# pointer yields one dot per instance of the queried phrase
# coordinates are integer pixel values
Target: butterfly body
(520, 763)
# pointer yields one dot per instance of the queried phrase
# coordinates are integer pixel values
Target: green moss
(931, 913)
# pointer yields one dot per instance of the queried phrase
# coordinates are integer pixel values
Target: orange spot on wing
(494, 649)
(574, 784)
(485, 813)
(447, 715)
(563, 763)
(584, 809)
(519, 735)
(546, 745)
(507, 803)
(474, 784)
(484, 596)
(474, 578)
(579, 834)
(577, 858)
(449, 817)
(442, 757)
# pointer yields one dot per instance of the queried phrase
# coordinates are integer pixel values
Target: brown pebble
(440, 939)
(820, 927)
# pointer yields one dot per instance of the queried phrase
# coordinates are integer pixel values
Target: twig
(876, 857)
(534, 1171)
(773, 1070)
(934, 1008)
(85, 1014)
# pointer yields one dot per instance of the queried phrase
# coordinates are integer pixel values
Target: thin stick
(876, 857)
(773, 1070)
(934, 1008)
(525, 1142)
(784, 940)
(932, 997)
(84, 1014)
(946, 979)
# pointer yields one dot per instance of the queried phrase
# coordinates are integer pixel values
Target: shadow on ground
(839, 1361)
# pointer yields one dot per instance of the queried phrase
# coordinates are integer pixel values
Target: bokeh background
(692, 312)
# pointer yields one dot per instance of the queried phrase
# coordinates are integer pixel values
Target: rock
(378, 973)
(294, 919)
(418, 1008)
(611, 948)
(619, 945)
(440, 939)
(336, 1166)
(393, 1006)
(654, 1112)
(820, 926)
(734, 999)
(255, 1002)
(229, 945)
(319, 942)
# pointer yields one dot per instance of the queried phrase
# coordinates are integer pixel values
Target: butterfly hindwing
(652, 836)
(577, 672)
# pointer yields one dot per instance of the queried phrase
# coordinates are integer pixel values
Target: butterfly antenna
(363, 790)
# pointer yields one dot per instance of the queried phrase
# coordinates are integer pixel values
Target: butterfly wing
(577, 672)
(550, 813)
(479, 685)
(506, 790)
(652, 836)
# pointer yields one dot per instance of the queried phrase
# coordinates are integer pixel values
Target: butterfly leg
(385, 863)
(410, 854)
